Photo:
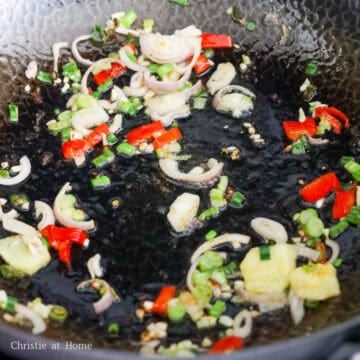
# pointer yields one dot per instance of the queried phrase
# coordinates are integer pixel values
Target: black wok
(327, 32)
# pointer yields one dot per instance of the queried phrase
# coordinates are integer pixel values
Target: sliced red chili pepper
(166, 294)
(321, 110)
(320, 187)
(321, 248)
(216, 41)
(344, 201)
(96, 135)
(105, 75)
(227, 344)
(335, 124)
(64, 251)
(74, 148)
(202, 64)
(295, 129)
(145, 132)
(167, 137)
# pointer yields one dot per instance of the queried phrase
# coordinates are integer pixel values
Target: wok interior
(134, 240)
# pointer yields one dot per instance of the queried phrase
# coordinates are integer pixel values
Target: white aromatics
(94, 266)
(37, 321)
(45, 213)
(269, 229)
(85, 119)
(31, 70)
(243, 324)
(56, 53)
(75, 51)
(223, 76)
(297, 309)
(25, 171)
(183, 211)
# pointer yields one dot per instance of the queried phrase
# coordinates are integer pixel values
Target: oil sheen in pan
(139, 254)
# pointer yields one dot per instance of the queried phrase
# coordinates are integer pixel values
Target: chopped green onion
(353, 168)
(20, 201)
(311, 304)
(66, 134)
(67, 201)
(219, 276)
(203, 294)
(217, 198)
(337, 262)
(314, 227)
(13, 113)
(176, 310)
(131, 57)
(306, 215)
(130, 106)
(210, 235)
(312, 241)
(323, 127)
(209, 53)
(354, 216)
(311, 68)
(9, 305)
(300, 146)
(208, 213)
(71, 71)
(101, 182)
(210, 260)
(264, 251)
(345, 159)
(230, 268)
(199, 103)
(245, 59)
(128, 19)
(309, 268)
(64, 121)
(4, 174)
(148, 25)
(8, 272)
(237, 199)
(347, 186)
(44, 77)
(112, 139)
(85, 101)
(250, 26)
(223, 184)
(153, 68)
(107, 85)
(113, 329)
(338, 228)
(217, 309)
(98, 33)
(44, 241)
(113, 55)
(57, 111)
(165, 69)
(200, 277)
(130, 39)
(180, 2)
(105, 158)
(58, 313)
(126, 149)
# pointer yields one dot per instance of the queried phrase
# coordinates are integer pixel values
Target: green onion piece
(314, 227)
(8, 272)
(113, 329)
(57, 111)
(312, 241)
(98, 33)
(337, 262)
(209, 53)
(153, 68)
(128, 19)
(107, 85)
(353, 168)
(199, 103)
(223, 184)
(323, 127)
(237, 199)
(44, 241)
(309, 268)
(219, 276)
(210, 260)
(311, 304)
(112, 139)
(245, 59)
(130, 39)
(176, 310)
(65, 134)
(230, 268)
(58, 313)
(148, 25)
(13, 113)
(75, 88)
(9, 306)
(354, 216)
(105, 158)
(114, 55)
(208, 213)
(345, 159)
(4, 174)
(71, 71)
(180, 2)
(306, 215)
(126, 149)
(217, 309)
(131, 57)
(200, 277)
(20, 201)
(85, 101)
(203, 294)
(130, 106)
(347, 186)
(67, 201)
(101, 182)
(235, 14)
(311, 68)
(211, 235)
(250, 26)
(217, 198)
(338, 228)
(310, 92)
(65, 117)
(165, 69)
(264, 251)
(300, 146)
(44, 77)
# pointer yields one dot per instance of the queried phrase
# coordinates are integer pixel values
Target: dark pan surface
(134, 240)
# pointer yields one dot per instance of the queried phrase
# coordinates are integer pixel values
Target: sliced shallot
(45, 213)
(18, 227)
(335, 250)
(37, 321)
(307, 252)
(65, 219)
(222, 77)
(56, 53)
(85, 119)
(75, 51)
(170, 168)
(269, 229)
(297, 309)
(25, 171)
(94, 266)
